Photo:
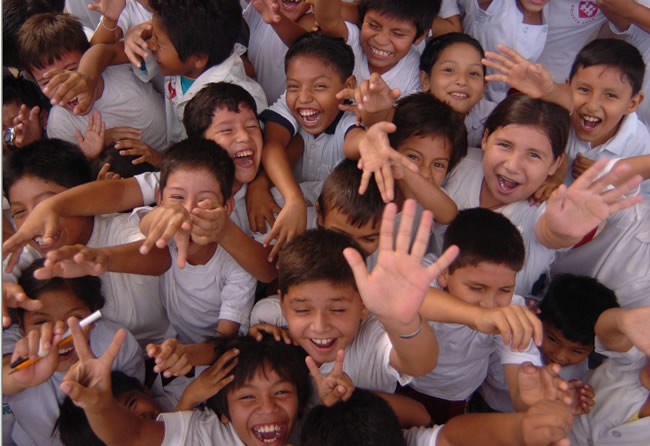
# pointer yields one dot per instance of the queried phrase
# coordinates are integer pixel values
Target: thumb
(79, 394)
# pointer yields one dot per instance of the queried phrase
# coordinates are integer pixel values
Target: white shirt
(230, 70)
(475, 121)
(422, 436)
(125, 101)
(197, 428)
(619, 395)
(36, 409)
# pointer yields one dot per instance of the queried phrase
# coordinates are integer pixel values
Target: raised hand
(279, 334)
(335, 386)
(111, 9)
(517, 325)
(290, 223)
(542, 383)
(547, 423)
(371, 97)
(144, 152)
(260, 205)
(209, 222)
(135, 45)
(71, 89)
(73, 261)
(27, 126)
(13, 296)
(92, 142)
(171, 358)
(268, 9)
(164, 223)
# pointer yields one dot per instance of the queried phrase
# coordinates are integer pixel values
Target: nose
(513, 162)
(592, 103)
(304, 95)
(267, 404)
(461, 78)
(489, 301)
(242, 134)
(320, 322)
(381, 38)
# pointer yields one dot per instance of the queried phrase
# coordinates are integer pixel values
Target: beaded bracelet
(415, 333)
(106, 27)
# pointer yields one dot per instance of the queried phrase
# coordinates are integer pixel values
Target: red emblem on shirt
(587, 9)
(171, 91)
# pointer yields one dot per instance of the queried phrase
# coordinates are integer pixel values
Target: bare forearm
(249, 254)
(106, 32)
(431, 197)
(127, 259)
(329, 18)
(448, 25)
(416, 355)
(132, 430)
(288, 31)
(440, 306)
(98, 197)
(495, 429)
(276, 162)
(609, 332)
(639, 165)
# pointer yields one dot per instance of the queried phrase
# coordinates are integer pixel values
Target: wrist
(109, 24)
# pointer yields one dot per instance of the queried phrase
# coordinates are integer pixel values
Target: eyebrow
(329, 299)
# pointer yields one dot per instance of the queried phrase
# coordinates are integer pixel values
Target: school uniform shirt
(422, 436)
(322, 152)
(197, 428)
(475, 121)
(502, 23)
(619, 397)
(125, 101)
(464, 186)
(266, 52)
(132, 300)
(197, 297)
(630, 140)
(571, 25)
(618, 256)
(230, 70)
(464, 357)
(132, 14)
(36, 409)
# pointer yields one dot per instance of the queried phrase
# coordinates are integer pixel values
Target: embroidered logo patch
(587, 9)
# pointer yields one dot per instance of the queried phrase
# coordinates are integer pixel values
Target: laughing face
(263, 410)
(58, 305)
(311, 92)
(385, 40)
(239, 133)
(602, 97)
(517, 159)
(323, 318)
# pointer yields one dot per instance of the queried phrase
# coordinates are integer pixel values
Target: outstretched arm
(329, 18)
(621, 328)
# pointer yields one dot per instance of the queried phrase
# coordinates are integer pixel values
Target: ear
(443, 278)
(556, 164)
(229, 205)
(158, 196)
(199, 62)
(364, 312)
(224, 419)
(419, 40)
(634, 103)
(351, 82)
(484, 140)
(424, 81)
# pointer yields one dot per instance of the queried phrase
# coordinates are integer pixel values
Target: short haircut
(614, 53)
(421, 114)
(73, 426)
(122, 383)
(200, 27)
(316, 255)
(14, 14)
(51, 160)
(436, 45)
(484, 236)
(88, 289)
(22, 91)
(573, 304)
(341, 192)
(46, 37)
(332, 51)
(520, 109)
(254, 357)
(199, 153)
(200, 110)
(364, 419)
(120, 164)
(419, 12)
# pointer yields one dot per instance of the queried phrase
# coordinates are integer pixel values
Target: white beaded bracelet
(415, 333)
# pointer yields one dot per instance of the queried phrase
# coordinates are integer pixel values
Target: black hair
(73, 426)
(200, 110)
(419, 12)
(122, 383)
(340, 192)
(199, 153)
(51, 160)
(23, 91)
(573, 304)
(120, 164)
(364, 419)
(200, 27)
(254, 357)
(334, 52)
(613, 53)
(484, 236)
(421, 114)
(436, 45)
(315, 255)
(14, 14)
(88, 289)
(520, 109)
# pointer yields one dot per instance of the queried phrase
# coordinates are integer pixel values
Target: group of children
(324, 222)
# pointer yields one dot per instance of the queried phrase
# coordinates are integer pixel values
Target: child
(49, 41)
(23, 100)
(621, 383)
(268, 389)
(491, 254)
(48, 167)
(33, 393)
(522, 145)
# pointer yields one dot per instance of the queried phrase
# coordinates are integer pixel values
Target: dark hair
(73, 426)
(199, 153)
(14, 14)
(315, 255)
(254, 357)
(23, 91)
(364, 419)
(200, 110)
(484, 236)
(523, 110)
(419, 12)
(421, 114)
(197, 27)
(52, 160)
(573, 304)
(341, 192)
(88, 289)
(46, 37)
(333, 52)
(436, 45)
(120, 164)
(122, 383)
(615, 53)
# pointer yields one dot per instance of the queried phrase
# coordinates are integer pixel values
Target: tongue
(507, 184)
(244, 161)
(590, 124)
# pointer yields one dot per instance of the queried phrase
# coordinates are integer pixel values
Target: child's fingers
(224, 365)
(80, 340)
(182, 240)
(314, 370)
(337, 370)
(421, 242)
(443, 262)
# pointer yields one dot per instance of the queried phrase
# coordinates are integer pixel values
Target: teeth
(459, 95)
(268, 433)
(308, 112)
(506, 183)
(244, 154)
(591, 119)
(65, 351)
(379, 52)
(325, 341)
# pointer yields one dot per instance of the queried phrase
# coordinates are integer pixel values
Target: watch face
(9, 137)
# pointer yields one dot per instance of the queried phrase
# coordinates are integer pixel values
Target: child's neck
(203, 254)
(486, 200)
(530, 18)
